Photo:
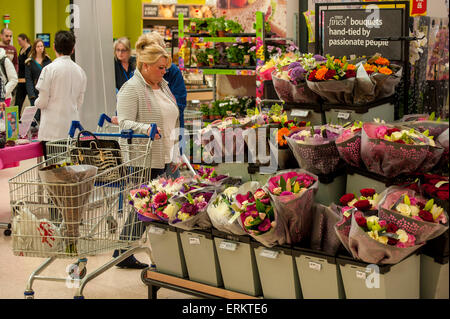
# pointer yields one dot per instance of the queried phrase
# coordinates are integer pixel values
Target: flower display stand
(238, 263)
(167, 250)
(201, 257)
(277, 271)
(399, 281)
(239, 170)
(319, 275)
(341, 114)
(434, 276)
(331, 187)
(305, 112)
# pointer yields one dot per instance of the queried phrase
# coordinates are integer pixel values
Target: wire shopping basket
(66, 211)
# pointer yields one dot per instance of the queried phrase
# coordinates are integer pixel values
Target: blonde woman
(124, 63)
(143, 100)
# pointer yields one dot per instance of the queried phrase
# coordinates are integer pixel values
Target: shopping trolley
(76, 211)
(105, 125)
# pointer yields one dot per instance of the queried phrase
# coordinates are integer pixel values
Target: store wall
(54, 20)
(127, 19)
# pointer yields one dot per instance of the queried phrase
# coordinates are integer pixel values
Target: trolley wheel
(75, 275)
(29, 294)
(7, 232)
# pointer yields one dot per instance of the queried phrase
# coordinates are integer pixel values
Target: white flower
(396, 136)
(171, 211)
(436, 211)
(404, 209)
(402, 236)
(373, 220)
(230, 191)
(375, 199)
(414, 210)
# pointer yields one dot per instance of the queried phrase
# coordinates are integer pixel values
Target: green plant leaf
(260, 207)
(406, 200)
(429, 205)
(432, 116)
(282, 183)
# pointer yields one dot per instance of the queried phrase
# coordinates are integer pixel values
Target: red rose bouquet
(419, 216)
(366, 202)
(372, 239)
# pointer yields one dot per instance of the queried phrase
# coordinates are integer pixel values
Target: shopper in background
(33, 67)
(25, 49)
(61, 87)
(124, 63)
(146, 99)
(5, 43)
(8, 75)
(2, 96)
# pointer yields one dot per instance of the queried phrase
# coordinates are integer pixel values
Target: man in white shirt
(61, 87)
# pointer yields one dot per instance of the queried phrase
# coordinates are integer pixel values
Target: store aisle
(14, 271)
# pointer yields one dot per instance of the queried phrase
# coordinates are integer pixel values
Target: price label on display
(361, 274)
(156, 230)
(343, 115)
(269, 253)
(227, 245)
(194, 241)
(300, 113)
(315, 266)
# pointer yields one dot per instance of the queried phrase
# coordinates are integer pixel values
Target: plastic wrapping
(364, 87)
(335, 92)
(434, 128)
(386, 84)
(349, 148)
(291, 93)
(422, 230)
(443, 140)
(364, 248)
(323, 235)
(295, 209)
(387, 158)
(69, 188)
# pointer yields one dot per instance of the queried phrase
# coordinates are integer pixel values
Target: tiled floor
(14, 271)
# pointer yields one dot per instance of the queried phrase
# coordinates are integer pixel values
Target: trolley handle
(76, 125)
(102, 119)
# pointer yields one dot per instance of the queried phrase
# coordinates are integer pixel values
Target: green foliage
(235, 53)
(201, 56)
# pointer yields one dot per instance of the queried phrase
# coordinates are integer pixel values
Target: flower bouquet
(403, 207)
(223, 214)
(374, 240)
(69, 187)
(140, 199)
(315, 149)
(323, 235)
(292, 194)
(257, 216)
(276, 61)
(190, 210)
(389, 151)
(425, 122)
(385, 75)
(432, 186)
(290, 80)
(349, 144)
(334, 81)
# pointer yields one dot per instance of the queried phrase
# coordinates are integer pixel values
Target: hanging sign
(181, 9)
(150, 11)
(348, 32)
(418, 8)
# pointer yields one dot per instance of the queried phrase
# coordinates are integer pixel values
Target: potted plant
(213, 56)
(197, 25)
(233, 26)
(201, 57)
(235, 54)
(216, 27)
(204, 108)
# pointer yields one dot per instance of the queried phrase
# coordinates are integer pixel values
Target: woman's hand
(115, 120)
(157, 135)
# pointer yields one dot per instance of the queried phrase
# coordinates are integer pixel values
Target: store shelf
(202, 39)
(222, 71)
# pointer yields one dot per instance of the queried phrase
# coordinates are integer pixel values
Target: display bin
(434, 277)
(434, 271)
(237, 263)
(332, 187)
(167, 249)
(341, 114)
(239, 170)
(305, 112)
(399, 281)
(277, 272)
(319, 274)
(359, 178)
(201, 257)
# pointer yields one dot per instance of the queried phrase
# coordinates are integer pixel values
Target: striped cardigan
(136, 110)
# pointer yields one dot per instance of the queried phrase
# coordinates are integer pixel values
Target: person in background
(5, 43)
(124, 63)
(61, 87)
(33, 67)
(8, 75)
(143, 100)
(25, 46)
(2, 96)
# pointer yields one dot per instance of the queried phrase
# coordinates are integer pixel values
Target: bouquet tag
(235, 216)
(299, 113)
(361, 274)
(315, 266)
(227, 245)
(269, 253)
(194, 241)
(343, 115)
(156, 230)
(440, 184)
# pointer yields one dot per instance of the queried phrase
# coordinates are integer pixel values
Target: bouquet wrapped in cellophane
(407, 209)
(390, 150)
(349, 144)
(425, 122)
(323, 235)
(315, 149)
(385, 75)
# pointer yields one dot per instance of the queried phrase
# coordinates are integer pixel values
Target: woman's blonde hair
(149, 50)
(125, 42)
